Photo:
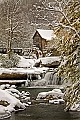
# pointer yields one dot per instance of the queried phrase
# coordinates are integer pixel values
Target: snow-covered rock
(48, 61)
(13, 92)
(4, 113)
(2, 86)
(2, 109)
(58, 101)
(54, 94)
(13, 86)
(12, 101)
(42, 95)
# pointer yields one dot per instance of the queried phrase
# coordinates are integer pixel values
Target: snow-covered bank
(26, 67)
(32, 70)
(25, 62)
(45, 61)
(11, 100)
(21, 70)
(21, 73)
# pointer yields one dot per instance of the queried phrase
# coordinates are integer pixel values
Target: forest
(20, 18)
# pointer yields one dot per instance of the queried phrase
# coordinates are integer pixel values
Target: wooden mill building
(42, 38)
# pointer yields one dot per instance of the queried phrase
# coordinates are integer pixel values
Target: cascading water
(50, 78)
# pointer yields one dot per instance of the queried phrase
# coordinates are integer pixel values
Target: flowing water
(50, 78)
(44, 111)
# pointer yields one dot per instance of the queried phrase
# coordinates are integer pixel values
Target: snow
(2, 109)
(13, 92)
(42, 95)
(5, 96)
(26, 65)
(56, 101)
(4, 70)
(14, 99)
(63, 62)
(32, 70)
(55, 92)
(75, 107)
(29, 63)
(25, 62)
(12, 96)
(4, 113)
(46, 60)
(46, 34)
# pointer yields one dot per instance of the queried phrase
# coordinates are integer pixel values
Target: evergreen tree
(68, 36)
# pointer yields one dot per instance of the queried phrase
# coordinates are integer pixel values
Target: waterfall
(50, 78)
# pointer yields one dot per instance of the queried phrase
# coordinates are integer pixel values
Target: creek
(43, 111)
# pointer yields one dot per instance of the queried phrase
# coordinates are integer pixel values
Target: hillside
(20, 19)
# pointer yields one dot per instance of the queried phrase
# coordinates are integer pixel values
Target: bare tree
(11, 21)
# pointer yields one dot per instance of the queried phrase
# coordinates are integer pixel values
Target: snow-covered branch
(60, 9)
(69, 27)
(15, 26)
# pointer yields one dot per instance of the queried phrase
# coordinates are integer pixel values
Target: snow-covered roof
(46, 34)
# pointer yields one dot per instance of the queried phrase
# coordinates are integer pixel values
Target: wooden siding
(38, 41)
